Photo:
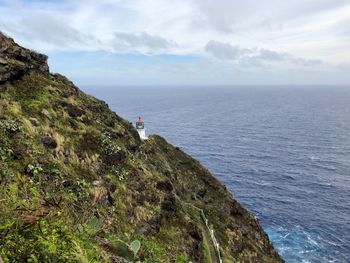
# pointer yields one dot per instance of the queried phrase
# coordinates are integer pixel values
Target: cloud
(273, 56)
(154, 26)
(225, 51)
(234, 36)
(269, 55)
(307, 62)
(254, 56)
(49, 32)
(233, 16)
(129, 42)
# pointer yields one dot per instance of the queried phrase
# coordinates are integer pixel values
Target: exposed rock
(169, 204)
(244, 231)
(46, 113)
(16, 60)
(152, 226)
(34, 121)
(145, 230)
(117, 259)
(107, 189)
(3, 61)
(87, 120)
(97, 183)
(49, 142)
(164, 186)
(236, 211)
(195, 251)
(110, 198)
(74, 111)
(201, 193)
(237, 247)
(194, 231)
(112, 187)
(114, 158)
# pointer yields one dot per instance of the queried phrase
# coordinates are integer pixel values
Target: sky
(187, 42)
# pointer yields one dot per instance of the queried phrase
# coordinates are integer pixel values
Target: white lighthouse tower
(140, 127)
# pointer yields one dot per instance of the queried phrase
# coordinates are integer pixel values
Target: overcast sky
(187, 42)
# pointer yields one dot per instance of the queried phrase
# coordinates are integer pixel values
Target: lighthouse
(140, 127)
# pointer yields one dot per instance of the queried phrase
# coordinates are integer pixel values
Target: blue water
(283, 152)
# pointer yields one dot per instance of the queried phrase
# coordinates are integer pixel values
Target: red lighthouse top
(139, 123)
(140, 120)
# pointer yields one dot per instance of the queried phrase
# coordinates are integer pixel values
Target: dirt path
(207, 240)
(209, 243)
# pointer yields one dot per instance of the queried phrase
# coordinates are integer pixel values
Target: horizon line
(214, 85)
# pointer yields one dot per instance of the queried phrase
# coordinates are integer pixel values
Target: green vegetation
(78, 185)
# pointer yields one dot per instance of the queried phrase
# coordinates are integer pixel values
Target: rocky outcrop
(16, 60)
(49, 142)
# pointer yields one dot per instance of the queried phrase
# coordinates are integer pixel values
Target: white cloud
(254, 57)
(225, 51)
(265, 54)
(49, 30)
(143, 42)
(252, 33)
(271, 24)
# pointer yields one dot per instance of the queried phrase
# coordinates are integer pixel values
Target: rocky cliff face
(16, 61)
(78, 185)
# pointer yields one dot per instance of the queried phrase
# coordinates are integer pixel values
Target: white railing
(212, 236)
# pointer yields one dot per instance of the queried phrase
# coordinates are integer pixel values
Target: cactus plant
(135, 246)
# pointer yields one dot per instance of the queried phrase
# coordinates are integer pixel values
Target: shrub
(109, 145)
(5, 151)
(120, 172)
(11, 126)
(34, 169)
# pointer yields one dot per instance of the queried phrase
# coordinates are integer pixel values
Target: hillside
(78, 185)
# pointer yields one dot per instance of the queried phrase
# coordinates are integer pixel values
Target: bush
(34, 169)
(5, 151)
(51, 241)
(120, 172)
(109, 145)
(11, 126)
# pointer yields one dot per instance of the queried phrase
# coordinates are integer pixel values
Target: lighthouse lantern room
(140, 127)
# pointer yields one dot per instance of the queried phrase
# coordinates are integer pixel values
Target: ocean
(283, 152)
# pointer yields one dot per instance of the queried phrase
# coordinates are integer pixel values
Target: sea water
(283, 152)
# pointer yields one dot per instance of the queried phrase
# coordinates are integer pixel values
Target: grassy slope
(77, 185)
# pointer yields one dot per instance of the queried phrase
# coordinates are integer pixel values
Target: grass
(83, 200)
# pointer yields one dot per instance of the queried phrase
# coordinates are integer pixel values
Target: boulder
(74, 111)
(3, 61)
(164, 186)
(46, 113)
(34, 121)
(49, 142)
(114, 157)
(194, 231)
(169, 204)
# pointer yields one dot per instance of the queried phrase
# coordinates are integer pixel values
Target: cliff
(78, 185)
